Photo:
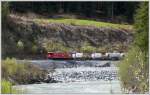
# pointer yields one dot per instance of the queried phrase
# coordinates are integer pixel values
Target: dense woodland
(108, 11)
(133, 69)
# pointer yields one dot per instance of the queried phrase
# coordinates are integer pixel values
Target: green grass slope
(85, 23)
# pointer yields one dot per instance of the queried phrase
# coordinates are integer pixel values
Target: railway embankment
(36, 36)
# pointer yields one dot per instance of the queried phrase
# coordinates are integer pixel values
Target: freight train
(77, 55)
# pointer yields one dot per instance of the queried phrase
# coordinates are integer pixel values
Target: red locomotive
(52, 55)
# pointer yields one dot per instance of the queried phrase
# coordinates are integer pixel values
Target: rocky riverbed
(85, 74)
(77, 79)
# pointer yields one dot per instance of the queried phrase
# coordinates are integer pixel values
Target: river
(91, 78)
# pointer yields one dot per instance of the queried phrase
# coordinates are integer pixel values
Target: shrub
(5, 11)
(6, 87)
(20, 45)
(21, 73)
(9, 67)
(55, 46)
(133, 70)
(87, 48)
(34, 49)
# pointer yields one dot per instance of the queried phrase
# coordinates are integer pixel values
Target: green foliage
(86, 47)
(142, 26)
(21, 73)
(20, 45)
(134, 68)
(55, 46)
(84, 22)
(8, 67)
(6, 87)
(5, 11)
(111, 48)
(102, 49)
(34, 49)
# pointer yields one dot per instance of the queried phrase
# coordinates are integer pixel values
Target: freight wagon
(114, 56)
(97, 56)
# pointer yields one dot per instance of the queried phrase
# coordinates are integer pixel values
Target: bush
(9, 67)
(5, 11)
(87, 48)
(20, 44)
(55, 46)
(6, 87)
(133, 70)
(34, 49)
(21, 73)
